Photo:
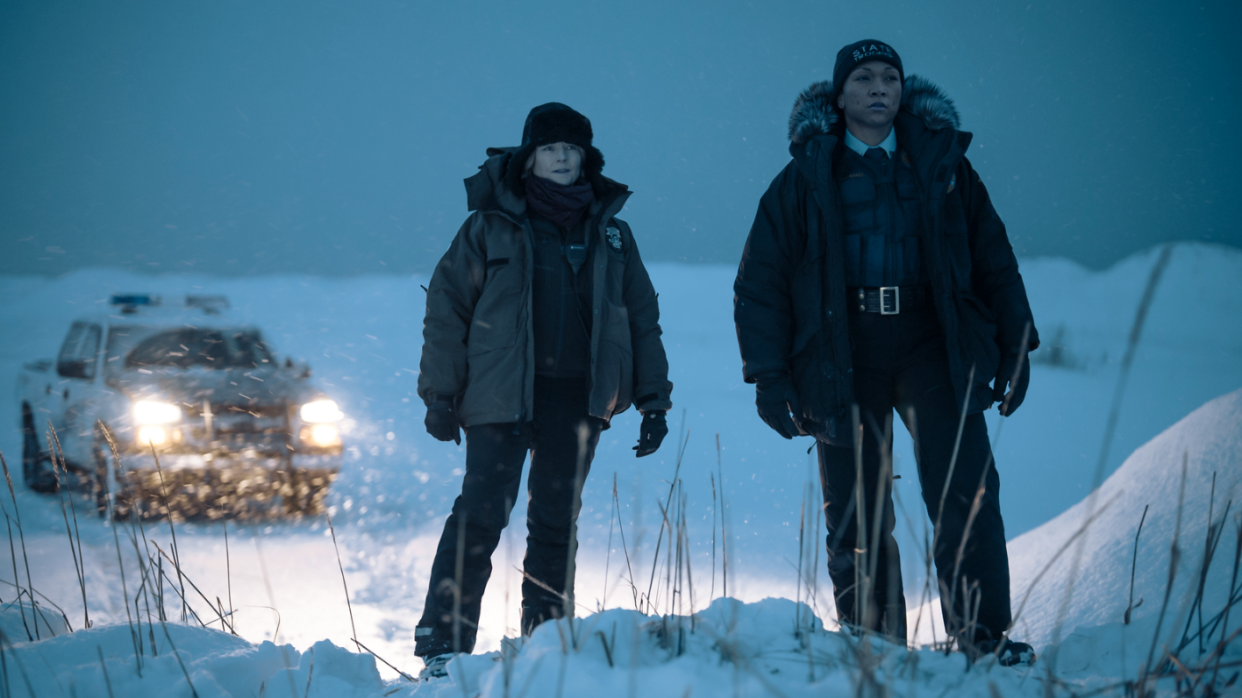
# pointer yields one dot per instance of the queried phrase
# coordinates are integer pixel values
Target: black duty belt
(887, 300)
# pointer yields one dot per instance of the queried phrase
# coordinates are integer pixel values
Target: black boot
(534, 614)
(1009, 653)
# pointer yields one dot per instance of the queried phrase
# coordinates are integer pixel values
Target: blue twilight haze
(331, 138)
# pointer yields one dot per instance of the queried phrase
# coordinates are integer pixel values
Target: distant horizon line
(219, 273)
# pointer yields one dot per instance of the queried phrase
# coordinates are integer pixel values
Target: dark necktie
(877, 153)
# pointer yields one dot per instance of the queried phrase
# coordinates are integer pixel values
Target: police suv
(174, 409)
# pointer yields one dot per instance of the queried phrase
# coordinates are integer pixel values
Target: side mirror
(300, 368)
(76, 368)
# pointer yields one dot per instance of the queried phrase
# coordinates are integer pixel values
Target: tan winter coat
(478, 338)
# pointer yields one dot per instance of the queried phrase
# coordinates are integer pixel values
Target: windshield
(186, 347)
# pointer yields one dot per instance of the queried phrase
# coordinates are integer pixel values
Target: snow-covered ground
(362, 337)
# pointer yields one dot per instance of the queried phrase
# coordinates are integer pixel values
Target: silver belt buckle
(890, 297)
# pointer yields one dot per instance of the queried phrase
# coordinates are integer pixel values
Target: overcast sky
(331, 138)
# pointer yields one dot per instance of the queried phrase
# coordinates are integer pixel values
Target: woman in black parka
(541, 325)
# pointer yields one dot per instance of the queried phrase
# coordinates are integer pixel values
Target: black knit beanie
(554, 123)
(849, 57)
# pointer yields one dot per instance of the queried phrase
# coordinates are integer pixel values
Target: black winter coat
(478, 333)
(789, 296)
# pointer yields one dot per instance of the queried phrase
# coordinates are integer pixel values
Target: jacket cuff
(433, 398)
(653, 403)
(769, 377)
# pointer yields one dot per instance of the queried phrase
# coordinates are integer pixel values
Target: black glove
(651, 434)
(1005, 377)
(442, 422)
(776, 398)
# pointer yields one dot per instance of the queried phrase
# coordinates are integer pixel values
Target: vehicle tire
(36, 465)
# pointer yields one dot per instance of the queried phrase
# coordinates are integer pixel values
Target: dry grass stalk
(102, 665)
(616, 500)
(801, 550)
(957, 446)
(1208, 627)
(975, 505)
(344, 584)
(310, 672)
(21, 668)
(185, 601)
(1175, 555)
(711, 594)
(134, 530)
(79, 563)
(681, 452)
(1214, 533)
(21, 536)
(1134, 567)
(271, 599)
(1136, 332)
(225, 620)
(181, 664)
(140, 595)
(1233, 582)
(1078, 533)
(176, 558)
(228, 571)
(542, 585)
(16, 577)
(607, 554)
(120, 564)
(371, 652)
(724, 536)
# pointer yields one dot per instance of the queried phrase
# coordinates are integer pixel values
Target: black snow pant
(900, 363)
(494, 457)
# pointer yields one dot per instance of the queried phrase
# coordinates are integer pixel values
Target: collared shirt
(889, 144)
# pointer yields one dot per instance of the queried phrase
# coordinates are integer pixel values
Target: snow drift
(1209, 443)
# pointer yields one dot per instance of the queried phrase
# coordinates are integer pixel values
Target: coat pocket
(614, 367)
(979, 330)
(489, 333)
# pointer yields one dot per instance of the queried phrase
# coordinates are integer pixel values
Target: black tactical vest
(880, 201)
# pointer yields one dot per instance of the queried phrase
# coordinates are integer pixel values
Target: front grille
(262, 427)
(276, 410)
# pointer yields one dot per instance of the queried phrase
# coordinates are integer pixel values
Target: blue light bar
(134, 299)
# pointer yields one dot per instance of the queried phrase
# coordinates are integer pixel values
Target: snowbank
(112, 661)
(1208, 441)
(771, 647)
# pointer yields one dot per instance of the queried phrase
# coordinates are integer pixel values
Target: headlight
(321, 412)
(325, 436)
(152, 435)
(152, 412)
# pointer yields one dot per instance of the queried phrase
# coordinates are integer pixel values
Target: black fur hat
(554, 123)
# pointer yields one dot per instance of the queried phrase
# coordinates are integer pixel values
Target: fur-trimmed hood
(815, 111)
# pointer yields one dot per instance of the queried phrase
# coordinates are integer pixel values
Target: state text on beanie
(849, 58)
